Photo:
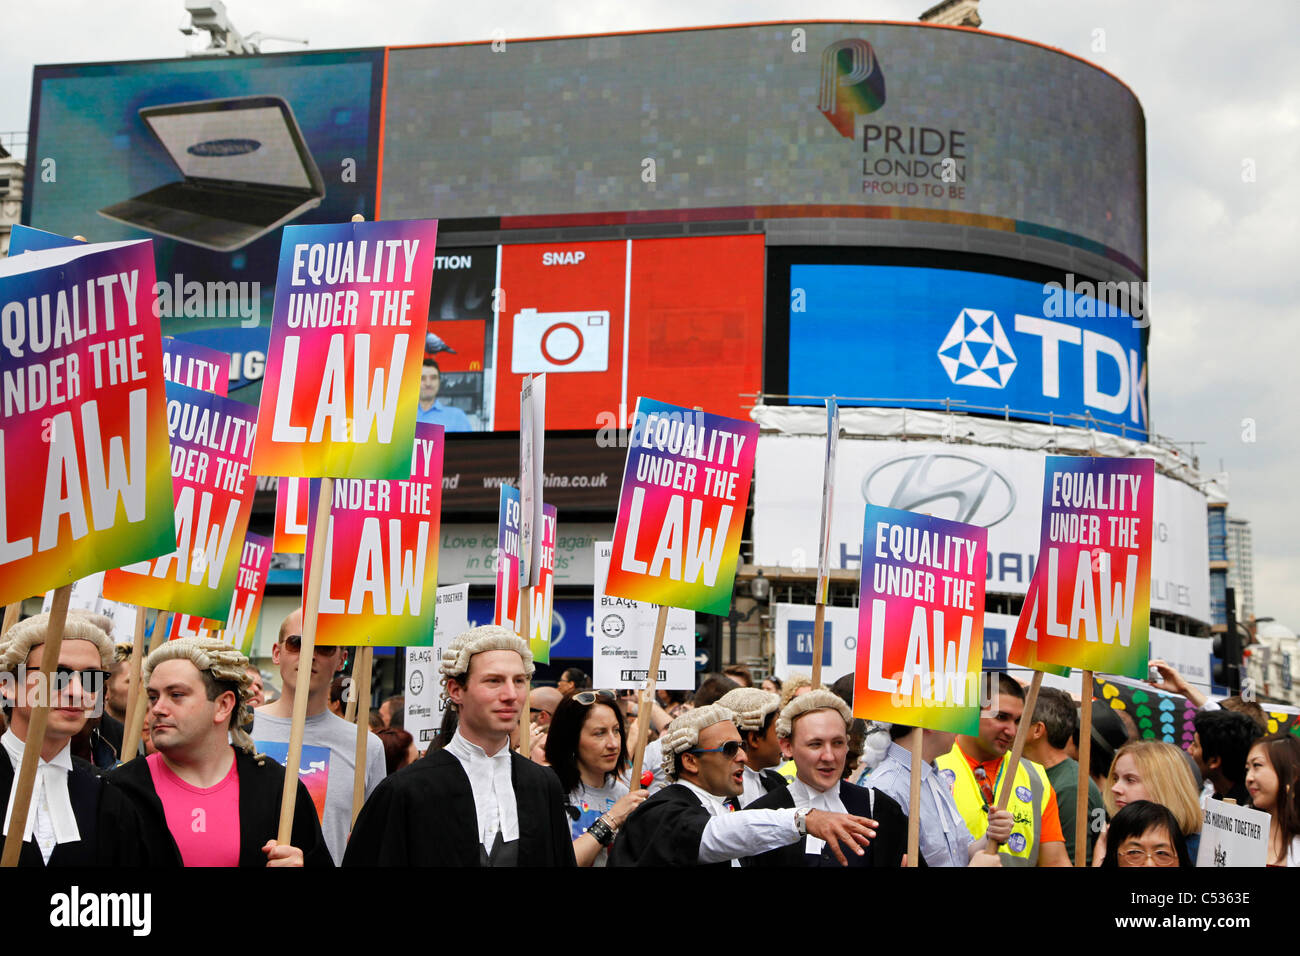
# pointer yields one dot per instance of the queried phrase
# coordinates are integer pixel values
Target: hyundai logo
(224, 147)
(978, 493)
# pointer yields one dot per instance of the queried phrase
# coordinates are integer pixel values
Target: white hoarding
(997, 488)
(1233, 835)
(424, 701)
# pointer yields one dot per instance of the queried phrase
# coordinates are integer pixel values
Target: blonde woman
(1155, 771)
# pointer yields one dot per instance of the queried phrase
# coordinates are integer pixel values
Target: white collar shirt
(811, 798)
(493, 789)
(50, 820)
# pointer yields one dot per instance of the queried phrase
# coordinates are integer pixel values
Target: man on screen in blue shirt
(430, 410)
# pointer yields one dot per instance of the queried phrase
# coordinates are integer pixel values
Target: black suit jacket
(665, 830)
(886, 850)
(424, 815)
(109, 826)
(261, 785)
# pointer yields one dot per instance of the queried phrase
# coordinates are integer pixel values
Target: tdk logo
(224, 147)
(976, 351)
(852, 84)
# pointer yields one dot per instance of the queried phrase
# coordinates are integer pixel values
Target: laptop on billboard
(245, 170)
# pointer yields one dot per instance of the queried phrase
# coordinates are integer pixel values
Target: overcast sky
(1221, 91)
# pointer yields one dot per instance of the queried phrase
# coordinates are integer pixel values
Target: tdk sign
(917, 337)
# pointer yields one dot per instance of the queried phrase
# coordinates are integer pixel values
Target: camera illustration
(560, 342)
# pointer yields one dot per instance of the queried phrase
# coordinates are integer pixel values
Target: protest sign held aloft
(83, 427)
(682, 507)
(196, 365)
(920, 621)
(211, 441)
(291, 515)
(1094, 564)
(1023, 651)
(343, 370)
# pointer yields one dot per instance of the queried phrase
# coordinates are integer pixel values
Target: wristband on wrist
(602, 831)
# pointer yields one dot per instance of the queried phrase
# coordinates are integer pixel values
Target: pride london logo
(852, 84)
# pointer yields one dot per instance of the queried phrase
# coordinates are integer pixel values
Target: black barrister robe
(424, 815)
(665, 831)
(107, 822)
(886, 850)
(261, 786)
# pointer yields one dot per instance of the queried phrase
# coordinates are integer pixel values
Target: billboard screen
(915, 336)
(876, 120)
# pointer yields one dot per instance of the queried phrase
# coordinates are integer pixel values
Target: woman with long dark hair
(587, 748)
(1273, 782)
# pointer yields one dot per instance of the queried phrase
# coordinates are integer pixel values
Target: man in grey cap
(474, 802)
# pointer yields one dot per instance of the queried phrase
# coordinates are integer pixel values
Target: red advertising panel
(695, 334)
(457, 345)
(562, 314)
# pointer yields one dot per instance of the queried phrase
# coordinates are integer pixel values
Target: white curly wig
(224, 662)
(751, 706)
(79, 626)
(806, 704)
(477, 640)
(683, 734)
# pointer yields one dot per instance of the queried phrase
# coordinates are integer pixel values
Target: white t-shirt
(590, 804)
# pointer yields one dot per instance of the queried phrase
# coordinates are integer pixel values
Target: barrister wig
(751, 706)
(79, 626)
(477, 640)
(222, 662)
(122, 653)
(807, 703)
(683, 734)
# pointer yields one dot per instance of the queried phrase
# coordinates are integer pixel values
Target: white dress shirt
(753, 787)
(49, 814)
(729, 836)
(494, 793)
(814, 799)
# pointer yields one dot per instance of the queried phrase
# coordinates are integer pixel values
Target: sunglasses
(728, 750)
(294, 643)
(91, 679)
(589, 697)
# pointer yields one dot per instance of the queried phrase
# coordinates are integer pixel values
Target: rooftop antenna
(211, 16)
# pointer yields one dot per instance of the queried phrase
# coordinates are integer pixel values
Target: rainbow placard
(507, 609)
(1023, 651)
(381, 567)
(26, 239)
(83, 416)
(540, 614)
(920, 621)
(211, 444)
(1094, 564)
(240, 624)
(291, 515)
(343, 367)
(682, 507)
(197, 366)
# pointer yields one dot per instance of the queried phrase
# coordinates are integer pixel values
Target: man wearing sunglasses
(474, 802)
(692, 823)
(329, 743)
(74, 819)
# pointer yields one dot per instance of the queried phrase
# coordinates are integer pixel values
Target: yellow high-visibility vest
(1027, 805)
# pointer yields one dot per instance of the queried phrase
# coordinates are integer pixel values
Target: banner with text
(381, 561)
(1023, 651)
(623, 638)
(347, 333)
(1233, 835)
(1095, 561)
(682, 507)
(921, 621)
(291, 515)
(197, 366)
(425, 703)
(83, 426)
(211, 443)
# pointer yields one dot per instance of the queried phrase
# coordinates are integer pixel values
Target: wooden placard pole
(525, 721)
(130, 740)
(302, 683)
(1085, 757)
(135, 717)
(354, 692)
(1017, 750)
(365, 661)
(914, 800)
(36, 727)
(11, 616)
(819, 629)
(648, 698)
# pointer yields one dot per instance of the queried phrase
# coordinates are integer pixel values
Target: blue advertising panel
(907, 336)
(800, 637)
(570, 625)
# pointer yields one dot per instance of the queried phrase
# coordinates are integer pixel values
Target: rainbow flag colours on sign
(197, 366)
(84, 482)
(682, 507)
(343, 367)
(505, 611)
(211, 443)
(291, 515)
(1094, 564)
(1023, 651)
(920, 621)
(380, 581)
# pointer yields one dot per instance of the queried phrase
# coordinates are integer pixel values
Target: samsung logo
(224, 147)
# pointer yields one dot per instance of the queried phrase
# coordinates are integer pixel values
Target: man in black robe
(198, 691)
(73, 819)
(693, 823)
(814, 732)
(474, 802)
